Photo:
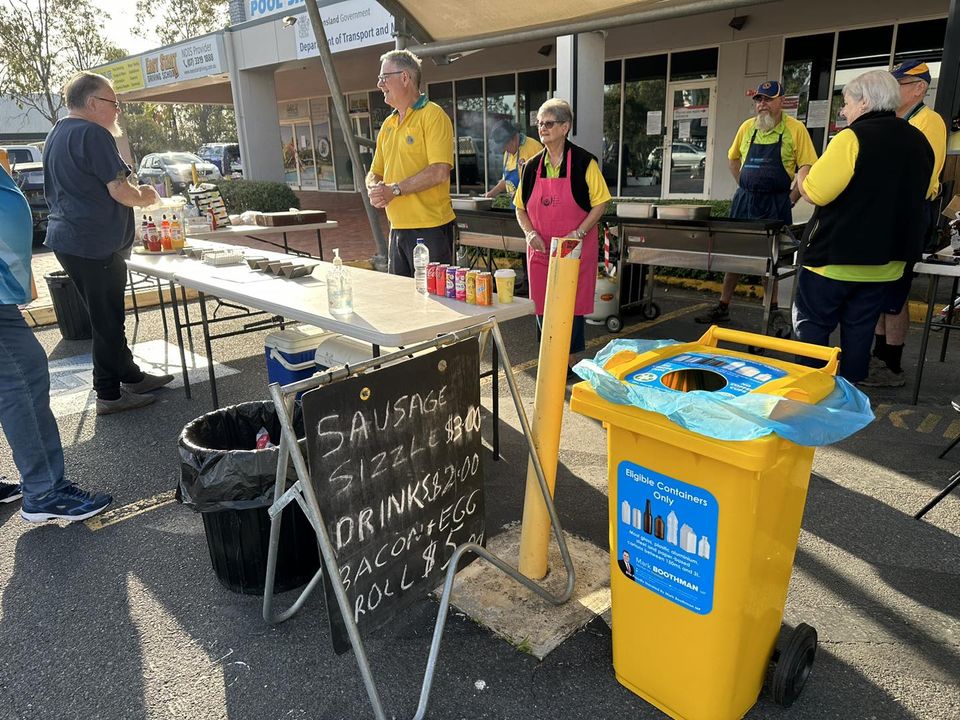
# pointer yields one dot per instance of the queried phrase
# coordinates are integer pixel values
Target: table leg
(951, 485)
(495, 388)
(133, 296)
(163, 308)
(949, 319)
(179, 327)
(209, 349)
(286, 248)
(934, 282)
(319, 244)
(186, 317)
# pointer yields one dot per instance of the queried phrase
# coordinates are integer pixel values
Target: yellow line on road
(929, 423)
(126, 512)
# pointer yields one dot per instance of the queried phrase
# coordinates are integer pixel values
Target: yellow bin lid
(701, 365)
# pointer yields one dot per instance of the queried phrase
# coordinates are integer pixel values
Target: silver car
(154, 168)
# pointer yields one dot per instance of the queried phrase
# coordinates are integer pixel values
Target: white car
(682, 155)
(176, 166)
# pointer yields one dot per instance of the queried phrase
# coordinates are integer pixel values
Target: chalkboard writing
(396, 461)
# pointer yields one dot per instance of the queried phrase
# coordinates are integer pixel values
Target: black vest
(579, 161)
(880, 216)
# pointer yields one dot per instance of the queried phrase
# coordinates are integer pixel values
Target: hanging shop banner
(350, 25)
(189, 60)
(126, 75)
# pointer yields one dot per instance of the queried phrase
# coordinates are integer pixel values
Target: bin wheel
(614, 323)
(651, 311)
(794, 665)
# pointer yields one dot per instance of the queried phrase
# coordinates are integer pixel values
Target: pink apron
(554, 213)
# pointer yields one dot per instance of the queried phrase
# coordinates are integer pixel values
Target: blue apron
(764, 192)
(512, 177)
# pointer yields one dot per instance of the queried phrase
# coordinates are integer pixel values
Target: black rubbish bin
(224, 477)
(68, 306)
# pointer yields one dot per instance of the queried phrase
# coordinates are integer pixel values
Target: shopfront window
(610, 156)
(469, 133)
(922, 41)
(501, 105)
(644, 98)
(342, 164)
(320, 117)
(442, 95)
(693, 65)
(807, 63)
(857, 52)
(533, 89)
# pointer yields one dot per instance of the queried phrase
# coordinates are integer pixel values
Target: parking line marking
(953, 430)
(929, 423)
(125, 512)
(897, 416)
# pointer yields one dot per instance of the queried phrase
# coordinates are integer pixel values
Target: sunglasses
(547, 124)
(115, 103)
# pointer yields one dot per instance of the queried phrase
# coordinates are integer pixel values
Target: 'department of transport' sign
(395, 458)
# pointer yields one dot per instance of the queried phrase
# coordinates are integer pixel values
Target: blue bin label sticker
(667, 536)
(739, 375)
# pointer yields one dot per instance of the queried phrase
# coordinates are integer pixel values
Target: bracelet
(579, 234)
(530, 235)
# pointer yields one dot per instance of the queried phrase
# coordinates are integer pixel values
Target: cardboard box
(294, 218)
(951, 210)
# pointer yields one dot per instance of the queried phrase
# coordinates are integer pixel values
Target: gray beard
(765, 122)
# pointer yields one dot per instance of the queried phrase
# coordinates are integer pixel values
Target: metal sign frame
(302, 492)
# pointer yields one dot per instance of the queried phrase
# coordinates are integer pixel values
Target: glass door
(688, 144)
(305, 158)
(291, 165)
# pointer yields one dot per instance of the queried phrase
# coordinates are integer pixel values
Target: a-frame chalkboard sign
(395, 460)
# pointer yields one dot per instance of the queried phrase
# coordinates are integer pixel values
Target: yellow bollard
(558, 308)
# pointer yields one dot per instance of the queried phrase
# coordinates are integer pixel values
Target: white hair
(877, 88)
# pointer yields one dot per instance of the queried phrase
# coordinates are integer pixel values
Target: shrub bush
(242, 195)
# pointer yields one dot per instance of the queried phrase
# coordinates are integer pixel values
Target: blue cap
(769, 89)
(915, 69)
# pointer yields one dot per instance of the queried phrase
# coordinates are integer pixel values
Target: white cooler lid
(297, 339)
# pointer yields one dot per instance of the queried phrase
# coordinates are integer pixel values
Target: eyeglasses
(115, 103)
(547, 124)
(909, 82)
(382, 77)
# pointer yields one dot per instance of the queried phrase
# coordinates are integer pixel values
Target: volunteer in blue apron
(765, 156)
(517, 149)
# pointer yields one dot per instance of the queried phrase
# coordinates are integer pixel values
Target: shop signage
(126, 75)
(186, 61)
(349, 25)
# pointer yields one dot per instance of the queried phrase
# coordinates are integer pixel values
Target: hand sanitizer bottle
(339, 287)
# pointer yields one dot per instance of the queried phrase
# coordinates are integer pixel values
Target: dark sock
(722, 305)
(880, 347)
(108, 394)
(893, 358)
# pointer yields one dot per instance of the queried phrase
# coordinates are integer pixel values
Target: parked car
(176, 166)
(226, 156)
(29, 177)
(682, 156)
(23, 154)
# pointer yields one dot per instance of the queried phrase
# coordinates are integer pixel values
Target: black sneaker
(778, 325)
(67, 503)
(717, 314)
(9, 492)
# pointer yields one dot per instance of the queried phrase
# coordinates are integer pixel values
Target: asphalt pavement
(129, 621)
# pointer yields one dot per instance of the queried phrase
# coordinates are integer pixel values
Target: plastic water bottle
(421, 258)
(339, 287)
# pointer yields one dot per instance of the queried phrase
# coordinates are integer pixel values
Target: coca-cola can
(451, 286)
(432, 277)
(461, 286)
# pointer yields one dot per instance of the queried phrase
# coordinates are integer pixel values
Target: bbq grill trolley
(303, 493)
(748, 247)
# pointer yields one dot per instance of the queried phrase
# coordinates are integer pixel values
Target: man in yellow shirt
(517, 149)
(890, 334)
(410, 173)
(765, 155)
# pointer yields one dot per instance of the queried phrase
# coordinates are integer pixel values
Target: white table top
(937, 269)
(387, 309)
(253, 230)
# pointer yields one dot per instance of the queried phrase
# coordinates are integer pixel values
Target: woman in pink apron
(562, 194)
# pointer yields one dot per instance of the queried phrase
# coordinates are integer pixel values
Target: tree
(45, 42)
(177, 20)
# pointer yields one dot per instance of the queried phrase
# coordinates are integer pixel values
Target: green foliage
(242, 195)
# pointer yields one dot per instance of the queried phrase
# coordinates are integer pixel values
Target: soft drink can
(461, 286)
(484, 288)
(472, 286)
(432, 277)
(440, 280)
(451, 286)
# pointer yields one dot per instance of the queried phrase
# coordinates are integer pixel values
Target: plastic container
(290, 353)
(68, 306)
(703, 532)
(421, 258)
(223, 477)
(339, 287)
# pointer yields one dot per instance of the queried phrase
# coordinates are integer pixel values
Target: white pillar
(258, 122)
(580, 82)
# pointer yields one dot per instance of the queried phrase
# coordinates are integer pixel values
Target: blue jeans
(25, 413)
(821, 304)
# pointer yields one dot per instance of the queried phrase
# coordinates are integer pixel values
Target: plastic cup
(505, 280)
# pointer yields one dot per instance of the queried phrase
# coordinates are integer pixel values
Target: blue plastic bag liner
(735, 413)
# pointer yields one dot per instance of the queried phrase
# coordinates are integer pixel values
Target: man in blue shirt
(25, 414)
(91, 231)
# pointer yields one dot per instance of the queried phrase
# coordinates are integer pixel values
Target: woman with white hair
(869, 188)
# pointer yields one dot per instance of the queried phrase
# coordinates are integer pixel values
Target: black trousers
(439, 240)
(102, 284)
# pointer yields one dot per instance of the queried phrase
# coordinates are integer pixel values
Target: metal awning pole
(343, 117)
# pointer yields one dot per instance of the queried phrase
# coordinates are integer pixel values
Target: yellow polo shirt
(528, 148)
(796, 151)
(935, 131)
(424, 137)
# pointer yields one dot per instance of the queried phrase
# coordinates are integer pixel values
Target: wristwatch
(395, 189)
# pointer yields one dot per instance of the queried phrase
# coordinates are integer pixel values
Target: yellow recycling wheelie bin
(703, 531)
